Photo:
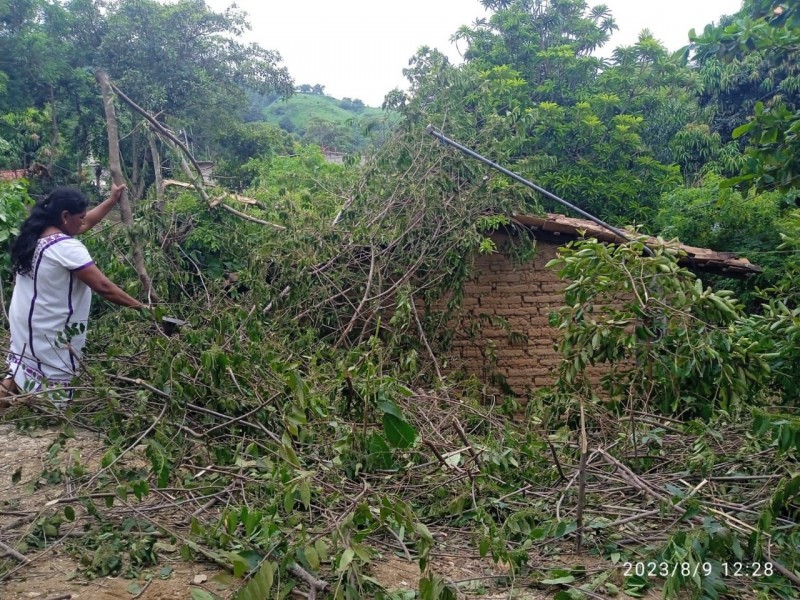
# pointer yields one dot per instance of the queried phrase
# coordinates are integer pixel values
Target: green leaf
(345, 559)
(140, 489)
(380, 455)
(198, 594)
(399, 433)
(559, 580)
(252, 557)
(133, 588)
(741, 130)
(422, 531)
(390, 408)
(108, 457)
(69, 513)
(186, 553)
(240, 565)
(260, 585)
(305, 493)
(223, 581)
(322, 550)
(288, 501)
(312, 557)
(16, 476)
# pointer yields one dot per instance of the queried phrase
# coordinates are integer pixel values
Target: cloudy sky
(358, 48)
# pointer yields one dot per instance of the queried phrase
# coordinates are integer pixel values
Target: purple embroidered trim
(88, 264)
(40, 248)
(45, 242)
(16, 361)
(38, 378)
(69, 315)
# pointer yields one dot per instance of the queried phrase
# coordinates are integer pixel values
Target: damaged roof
(555, 224)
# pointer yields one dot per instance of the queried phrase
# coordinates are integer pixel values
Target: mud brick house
(505, 296)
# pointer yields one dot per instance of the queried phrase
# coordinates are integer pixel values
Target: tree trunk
(115, 167)
(139, 188)
(155, 155)
(54, 141)
(132, 194)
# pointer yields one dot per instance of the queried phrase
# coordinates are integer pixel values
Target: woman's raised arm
(98, 213)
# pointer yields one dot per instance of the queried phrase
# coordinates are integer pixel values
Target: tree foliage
(311, 369)
(751, 62)
(181, 61)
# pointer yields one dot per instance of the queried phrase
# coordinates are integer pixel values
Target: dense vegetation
(303, 420)
(344, 126)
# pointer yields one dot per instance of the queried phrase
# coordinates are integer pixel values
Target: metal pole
(441, 137)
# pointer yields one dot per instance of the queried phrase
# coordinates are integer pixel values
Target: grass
(301, 108)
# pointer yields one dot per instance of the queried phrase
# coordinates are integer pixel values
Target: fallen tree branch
(214, 202)
(173, 141)
(791, 576)
(13, 553)
(152, 426)
(237, 197)
(440, 458)
(115, 166)
(157, 126)
(247, 217)
(316, 585)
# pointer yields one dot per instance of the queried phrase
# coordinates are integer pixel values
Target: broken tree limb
(11, 552)
(173, 141)
(155, 156)
(581, 480)
(115, 166)
(247, 217)
(315, 585)
(212, 203)
(159, 128)
(237, 197)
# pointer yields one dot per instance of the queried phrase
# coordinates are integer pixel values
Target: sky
(359, 48)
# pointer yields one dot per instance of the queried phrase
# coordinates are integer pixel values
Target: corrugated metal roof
(726, 262)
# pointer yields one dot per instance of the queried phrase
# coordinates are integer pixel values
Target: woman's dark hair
(45, 213)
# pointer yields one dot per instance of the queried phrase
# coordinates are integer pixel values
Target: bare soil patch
(53, 572)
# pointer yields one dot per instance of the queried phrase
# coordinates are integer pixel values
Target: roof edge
(555, 224)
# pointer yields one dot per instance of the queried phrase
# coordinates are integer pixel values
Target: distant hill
(345, 125)
(302, 108)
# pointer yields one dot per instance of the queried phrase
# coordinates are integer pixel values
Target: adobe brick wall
(523, 296)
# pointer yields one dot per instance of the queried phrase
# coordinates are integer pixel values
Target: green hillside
(345, 125)
(301, 109)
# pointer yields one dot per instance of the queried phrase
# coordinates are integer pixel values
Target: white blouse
(49, 313)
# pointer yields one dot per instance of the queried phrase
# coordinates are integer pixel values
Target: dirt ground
(53, 573)
(48, 579)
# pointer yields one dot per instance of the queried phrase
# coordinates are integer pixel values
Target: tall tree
(181, 61)
(532, 95)
(750, 68)
(550, 43)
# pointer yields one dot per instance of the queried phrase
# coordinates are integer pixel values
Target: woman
(55, 276)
